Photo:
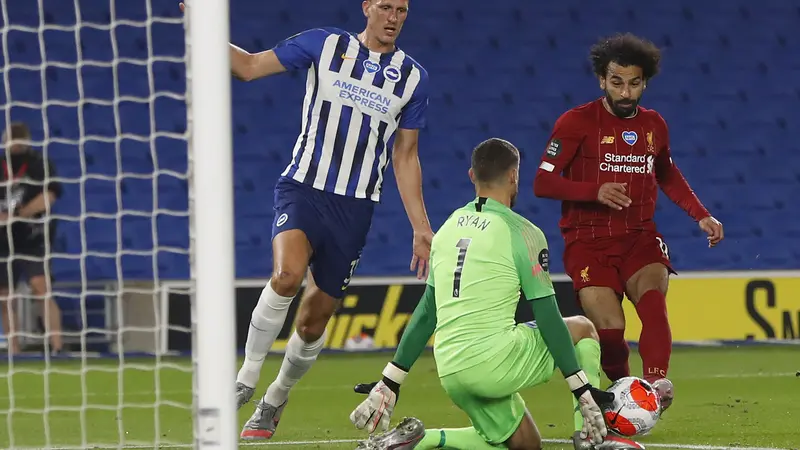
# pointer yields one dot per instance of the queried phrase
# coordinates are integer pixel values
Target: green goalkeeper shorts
(489, 392)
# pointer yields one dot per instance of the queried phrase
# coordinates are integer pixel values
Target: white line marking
(743, 375)
(353, 441)
(681, 446)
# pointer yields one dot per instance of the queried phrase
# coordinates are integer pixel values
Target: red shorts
(612, 261)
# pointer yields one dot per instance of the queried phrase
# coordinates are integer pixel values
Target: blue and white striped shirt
(355, 101)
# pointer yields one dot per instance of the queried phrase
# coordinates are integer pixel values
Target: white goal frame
(211, 223)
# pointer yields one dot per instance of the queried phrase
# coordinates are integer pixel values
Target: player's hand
(375, 412)
(589, 398)
(613, 195)
(713, 228)
(422, 253)
(182, 6)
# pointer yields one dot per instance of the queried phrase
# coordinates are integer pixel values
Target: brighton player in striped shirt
(614, 155)
(365, 103)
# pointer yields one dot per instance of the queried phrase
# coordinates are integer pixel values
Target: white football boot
(665, 391)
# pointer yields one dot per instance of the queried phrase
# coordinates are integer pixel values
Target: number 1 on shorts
(463, 245)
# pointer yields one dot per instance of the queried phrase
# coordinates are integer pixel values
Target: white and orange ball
(636, 407)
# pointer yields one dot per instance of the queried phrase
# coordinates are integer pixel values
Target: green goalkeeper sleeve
(555, 334)
(418, 332)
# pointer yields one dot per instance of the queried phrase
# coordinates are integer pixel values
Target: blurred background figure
(25, 203)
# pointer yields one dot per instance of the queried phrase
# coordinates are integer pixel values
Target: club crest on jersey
(392, 74)
(371, 66)
(651, 146)
(630, 137)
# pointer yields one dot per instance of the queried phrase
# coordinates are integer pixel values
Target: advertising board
(702, 307)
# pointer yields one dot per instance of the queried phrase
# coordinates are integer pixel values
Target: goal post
(211, 204)
(130, 101)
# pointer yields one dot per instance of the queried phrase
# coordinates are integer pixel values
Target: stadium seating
(729, 91)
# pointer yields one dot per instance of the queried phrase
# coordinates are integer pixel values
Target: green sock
(588, 352)
(454, 439)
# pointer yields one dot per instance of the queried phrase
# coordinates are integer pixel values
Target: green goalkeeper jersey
(480, 259)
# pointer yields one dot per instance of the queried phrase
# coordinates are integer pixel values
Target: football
(636, 407)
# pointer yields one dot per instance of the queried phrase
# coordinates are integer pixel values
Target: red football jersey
(590, 147)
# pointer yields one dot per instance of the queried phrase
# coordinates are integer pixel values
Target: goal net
(103, 86)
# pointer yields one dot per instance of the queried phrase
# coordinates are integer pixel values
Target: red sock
(655, 342)
(614, 354)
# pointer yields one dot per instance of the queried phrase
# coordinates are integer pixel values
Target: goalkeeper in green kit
(481, 258)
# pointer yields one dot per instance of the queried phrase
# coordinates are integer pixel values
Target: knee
(582, 328)
(608, 321)
(311, 329)
(286, 282)
(315, 311)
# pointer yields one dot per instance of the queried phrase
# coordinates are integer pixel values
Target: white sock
(265, 325)
(298, 359)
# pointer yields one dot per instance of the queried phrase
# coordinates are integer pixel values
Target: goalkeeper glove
(594, 425)
(375, 412)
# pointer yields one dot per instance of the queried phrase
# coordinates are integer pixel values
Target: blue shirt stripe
(380, 148)
(361, 149)
(336, 91)
(338, 148)
(341, 48)
(304, 141)
(316, 155)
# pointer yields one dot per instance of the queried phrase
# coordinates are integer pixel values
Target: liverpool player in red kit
(606, 160)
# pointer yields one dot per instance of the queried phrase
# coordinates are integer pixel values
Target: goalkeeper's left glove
(375, 412)
(594, 425)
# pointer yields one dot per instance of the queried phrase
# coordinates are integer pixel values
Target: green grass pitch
(725, 397)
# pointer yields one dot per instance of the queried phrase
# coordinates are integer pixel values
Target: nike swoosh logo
(347, 57)
(616, 416)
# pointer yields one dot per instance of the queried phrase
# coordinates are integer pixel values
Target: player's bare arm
(247, 66)
(563, 146)
(674, 184)
(408, 173)
(37, 205)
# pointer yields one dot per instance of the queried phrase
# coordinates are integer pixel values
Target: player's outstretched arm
(247, 66)
(407, 170)
(375, 412)
(408, 173)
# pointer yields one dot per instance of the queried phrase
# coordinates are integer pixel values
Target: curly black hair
(626, 50)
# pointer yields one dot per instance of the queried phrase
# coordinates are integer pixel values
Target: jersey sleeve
(301, 50)
(413, 115)
(532, 259)
(565, 139)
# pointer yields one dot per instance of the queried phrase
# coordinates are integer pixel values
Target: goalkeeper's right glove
(375, 412)
(594, 425)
